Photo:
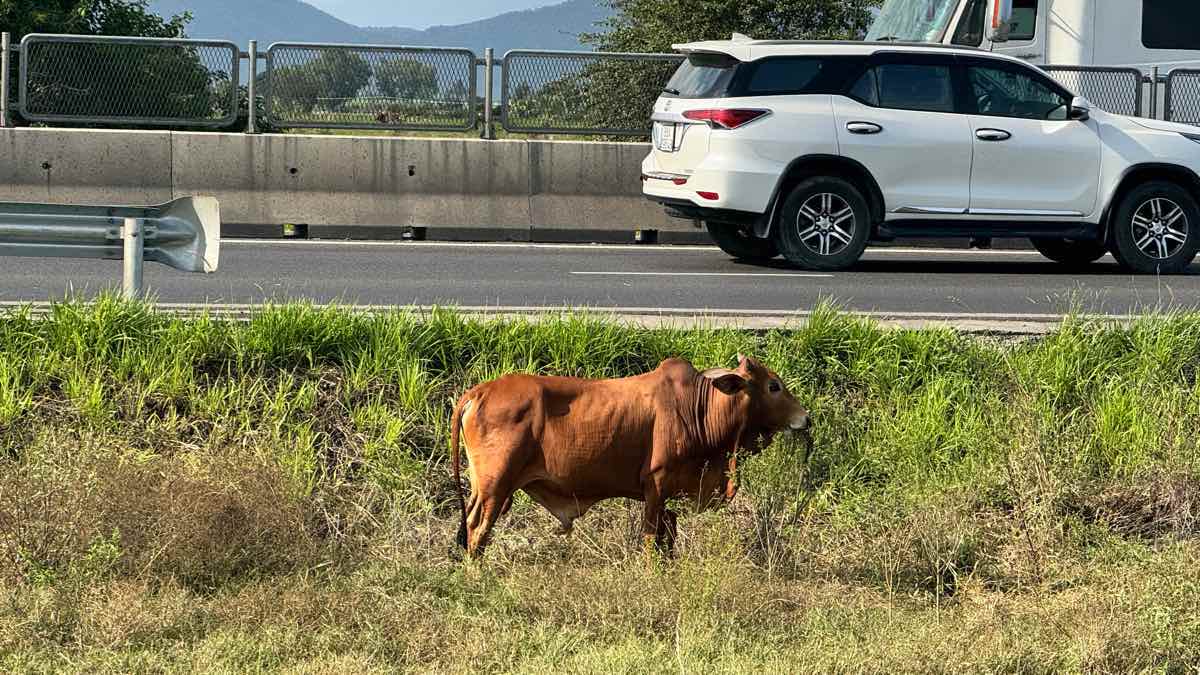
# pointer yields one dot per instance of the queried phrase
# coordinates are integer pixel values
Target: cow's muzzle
(801, 422)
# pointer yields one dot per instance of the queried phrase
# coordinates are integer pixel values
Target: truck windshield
(913, 20)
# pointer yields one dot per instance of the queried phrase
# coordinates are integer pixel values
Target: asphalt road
(894, 282)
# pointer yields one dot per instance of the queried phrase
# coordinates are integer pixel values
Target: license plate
(665, 138)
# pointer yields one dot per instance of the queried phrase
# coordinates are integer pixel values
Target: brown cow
(569, 443)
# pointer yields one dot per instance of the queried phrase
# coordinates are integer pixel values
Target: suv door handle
(863, 128)
(994, 135)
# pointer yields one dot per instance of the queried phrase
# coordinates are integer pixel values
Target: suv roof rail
(875, 43)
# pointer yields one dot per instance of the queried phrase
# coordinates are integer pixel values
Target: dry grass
(200, 496)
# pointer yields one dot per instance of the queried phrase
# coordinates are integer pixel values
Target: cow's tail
(455, 432)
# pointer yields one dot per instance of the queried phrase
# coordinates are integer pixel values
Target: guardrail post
(5, 84)
(251, 99)
(131, 235)
(489, 62)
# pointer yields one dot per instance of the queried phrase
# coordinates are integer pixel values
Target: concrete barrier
(85, 167)
(346, 185)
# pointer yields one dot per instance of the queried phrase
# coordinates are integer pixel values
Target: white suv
(813, 149)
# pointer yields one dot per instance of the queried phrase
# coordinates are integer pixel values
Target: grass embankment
(199, 495)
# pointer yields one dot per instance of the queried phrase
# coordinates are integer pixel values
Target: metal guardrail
(184, 234)
(1183, 96)
(337, 86)
(589, 93)
(122, 80)
(1116, 90)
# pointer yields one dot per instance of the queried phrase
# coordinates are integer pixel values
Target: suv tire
(1071, 251)
(737, 242)
(1156, 229)
(824, 224)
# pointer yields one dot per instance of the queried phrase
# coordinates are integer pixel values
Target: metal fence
(591, 93)
(1183, 96)
(136, 81)
(369, 87)
(198, 83)
(1116, 90)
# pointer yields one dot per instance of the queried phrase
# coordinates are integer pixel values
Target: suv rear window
(702, 76)
(720, 76)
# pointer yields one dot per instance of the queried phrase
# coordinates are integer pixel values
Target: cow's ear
(726, 381)
(750, 365)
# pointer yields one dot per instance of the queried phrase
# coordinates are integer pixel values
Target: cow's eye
(775, 387)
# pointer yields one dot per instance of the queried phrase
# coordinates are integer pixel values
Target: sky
(421, 13)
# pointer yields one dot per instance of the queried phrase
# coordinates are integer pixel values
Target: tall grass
(199, 494)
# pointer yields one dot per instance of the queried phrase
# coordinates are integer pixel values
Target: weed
(181, 495)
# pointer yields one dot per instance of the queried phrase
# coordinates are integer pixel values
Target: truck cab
(1136, 33)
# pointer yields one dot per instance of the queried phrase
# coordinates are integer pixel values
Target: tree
(338, 75)
(406, 79)
(653, 25)
(88, 17)
(113, 80)
(621, 94)
(325, 82)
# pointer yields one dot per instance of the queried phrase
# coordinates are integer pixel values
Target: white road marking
(632, 248)
(705, 274)
(628, 248)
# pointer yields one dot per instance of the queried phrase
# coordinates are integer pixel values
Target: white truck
(1127, 33)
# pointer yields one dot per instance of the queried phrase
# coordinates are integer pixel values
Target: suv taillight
(726, 118)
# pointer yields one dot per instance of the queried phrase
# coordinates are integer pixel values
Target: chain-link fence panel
(135, 81)
(369, 87)
(589, 93)
(1183, 96)
(1116, 90)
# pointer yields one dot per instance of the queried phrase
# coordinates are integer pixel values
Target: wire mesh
(1116, 90)
(138, 81)
(369, 87)
(590, 93)
(1183, 96)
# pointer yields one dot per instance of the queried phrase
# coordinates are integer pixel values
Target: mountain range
(553, 27)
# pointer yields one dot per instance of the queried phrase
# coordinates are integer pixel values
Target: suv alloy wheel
(1156, 229)
(824, 224)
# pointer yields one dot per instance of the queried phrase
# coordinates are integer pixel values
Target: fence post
(131, 235)
(1154, 93)
(251, 97)
(489, 61)
(5, 83)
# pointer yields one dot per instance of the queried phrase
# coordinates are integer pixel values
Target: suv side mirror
(1080, 109)
(1002, 17)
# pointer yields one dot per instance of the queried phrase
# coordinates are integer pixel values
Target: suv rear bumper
(733, 186)
(682, 208)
